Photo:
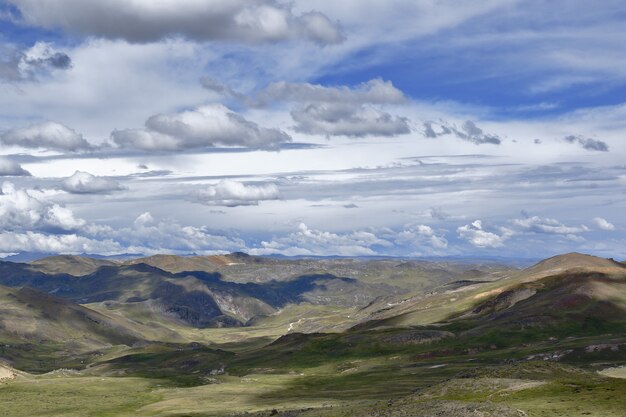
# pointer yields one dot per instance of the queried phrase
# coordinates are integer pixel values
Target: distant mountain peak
(575, 260)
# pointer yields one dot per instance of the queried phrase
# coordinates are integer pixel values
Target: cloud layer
(9, 168)
(46, 135)
(207, 126)
(85, 183)
(232, 193)
(332, 119)
(451, 127)
(254, 21)
(29, 210)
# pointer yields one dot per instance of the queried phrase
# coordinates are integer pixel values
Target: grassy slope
(376, 372)
(67, 396)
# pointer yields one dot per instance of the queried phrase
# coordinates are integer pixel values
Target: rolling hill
(330, 337)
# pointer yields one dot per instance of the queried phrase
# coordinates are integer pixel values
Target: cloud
(469, 131)
(346, 119)
(420, 235)
(334, 111)
(142, 21)
(9, 168)
(86, 183)
(223, 90)
(46, 135)
(480, 238)
(433, 130)
(376, 91)
(546, 225)
(43, 55)
(438, 213)
(54, 244)
(148, 236)
(207, 126)
(29, 210)
(306, 241)
(588, 143)
(30, 64)
(603, 224)
(232, 193)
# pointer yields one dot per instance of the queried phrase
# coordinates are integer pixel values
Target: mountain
(34, 324)
(544, 287)
(69, 264)
(313, 337)
(195, 298)
(176, 264)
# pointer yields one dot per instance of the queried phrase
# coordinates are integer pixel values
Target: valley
(236, 335)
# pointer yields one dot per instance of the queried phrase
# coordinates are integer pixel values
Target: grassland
(545, 342)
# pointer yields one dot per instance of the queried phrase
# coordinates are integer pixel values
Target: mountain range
(193, 321)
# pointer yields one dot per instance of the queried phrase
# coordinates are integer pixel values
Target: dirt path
(619, 372)
(6, 373)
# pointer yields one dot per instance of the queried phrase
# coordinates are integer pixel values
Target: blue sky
(440, 128)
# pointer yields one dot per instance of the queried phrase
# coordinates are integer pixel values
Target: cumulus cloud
(53, 244)
(346, 119)
(29, 224)
(603, 224)
(546, 225)
(9, 168)
(86, 183)
(207, 126)
(43, 55)
(28, 64)
(469, 131)
(306, 241)
(480, 238)
(335, 111)
(147, 21)
(46, 135)
(588, 143)
(233, 193)
(376, 91)
(147, 235)
(29, 210)
(419, 235)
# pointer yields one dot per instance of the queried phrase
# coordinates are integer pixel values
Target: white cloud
(24, 210)
(232, 193)
(111, 84)
(546, 225)
(338, 111)
(376, 91)
(54, 244)
(343, 119)
(603, 224)
(9, 168)
(469, 131)
(400, 20)
(86, 183)
(38, 61)
(146, 20)
(148, 235)
(477, 236)
(46, 135)
(60, 217)
(588, 143)
(42, 56)
(419, 235)
(306, 241)
(207, 126)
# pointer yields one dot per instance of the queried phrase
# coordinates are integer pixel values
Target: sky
(410, 128)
